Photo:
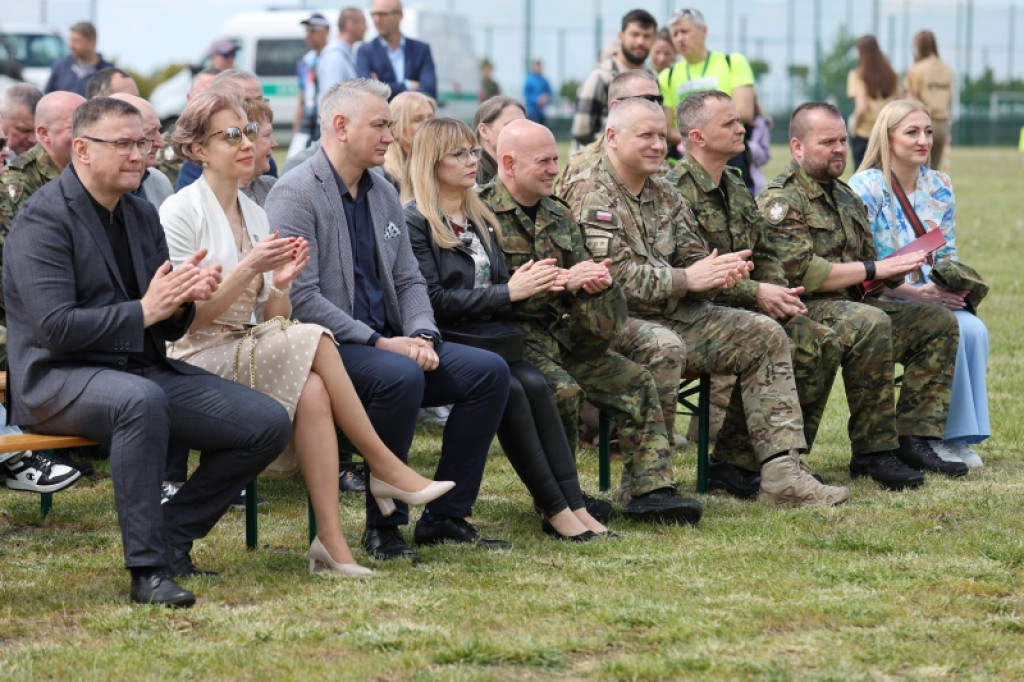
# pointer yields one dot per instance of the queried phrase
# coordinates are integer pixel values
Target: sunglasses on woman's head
(233, 136)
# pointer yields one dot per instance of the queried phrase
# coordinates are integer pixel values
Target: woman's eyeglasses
(462, 154)
(233, 136)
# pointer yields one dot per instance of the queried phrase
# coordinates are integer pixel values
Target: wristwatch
(427, 337)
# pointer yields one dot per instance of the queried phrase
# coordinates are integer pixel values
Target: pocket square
(391, 231)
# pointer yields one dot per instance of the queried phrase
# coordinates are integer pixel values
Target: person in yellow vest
(930, 81)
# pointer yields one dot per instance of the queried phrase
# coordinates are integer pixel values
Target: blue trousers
(393, 387)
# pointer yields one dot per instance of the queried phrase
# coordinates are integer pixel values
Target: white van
(272, 42)
(27, 51)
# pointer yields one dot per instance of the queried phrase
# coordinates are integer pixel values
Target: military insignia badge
(777, 211)
(599, 242)
(14, 191)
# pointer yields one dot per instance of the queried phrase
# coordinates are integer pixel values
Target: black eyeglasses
(124, 145)
(462, 154)
(233, 135)
(657, 99)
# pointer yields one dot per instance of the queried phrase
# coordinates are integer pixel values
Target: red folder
(929, 242)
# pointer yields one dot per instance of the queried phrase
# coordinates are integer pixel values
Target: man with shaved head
(670, 277)
(364, 284)
(155, 187)
(568, 333)
(44, 161)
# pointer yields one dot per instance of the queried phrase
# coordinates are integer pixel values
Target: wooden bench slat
(33, 441)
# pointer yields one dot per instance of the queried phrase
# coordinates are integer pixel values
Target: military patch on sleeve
(598, 241)
(600, 216)
(14, 191)
(776, 211)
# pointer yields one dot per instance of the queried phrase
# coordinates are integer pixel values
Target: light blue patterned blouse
(932, 199)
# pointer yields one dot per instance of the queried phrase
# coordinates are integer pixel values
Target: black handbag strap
(908, 210)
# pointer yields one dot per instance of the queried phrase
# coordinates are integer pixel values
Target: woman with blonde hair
(872, 85)
(408, 112)
(896, 162)
(456, 241)
(297, 364)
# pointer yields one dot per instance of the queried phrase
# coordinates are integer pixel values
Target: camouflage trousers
(874, 335)
(721, 340)
(662, 352)
(816, 352)
(616, 384)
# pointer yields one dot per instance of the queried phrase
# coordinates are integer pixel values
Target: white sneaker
(964, 451)
(36, 474)
(945, 453)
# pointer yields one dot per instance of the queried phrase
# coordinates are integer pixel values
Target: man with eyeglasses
(702, 69)
(635, 41)
(671, 277)
(401, 62)
(92, 303)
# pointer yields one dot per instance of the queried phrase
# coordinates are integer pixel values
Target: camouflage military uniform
(650, 240)
(809, 229)
(23, 177)
(167, 162)
(559, 345)
(729, 220)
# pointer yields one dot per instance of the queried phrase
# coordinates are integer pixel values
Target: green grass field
(927, 584)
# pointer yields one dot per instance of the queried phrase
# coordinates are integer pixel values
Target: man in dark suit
(91, 303)
(403, 63)
(364, 284)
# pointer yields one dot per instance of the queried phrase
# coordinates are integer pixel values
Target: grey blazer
(305, 203)
(68, 313)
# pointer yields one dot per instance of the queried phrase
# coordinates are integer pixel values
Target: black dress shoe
(663, 505)
(886, 469)
(159, 588)
(351, 481)
(916, 453)
(453, 530)
(386, 542)
(179, 565)
(585, 536)
(601, 510)
(734, 480)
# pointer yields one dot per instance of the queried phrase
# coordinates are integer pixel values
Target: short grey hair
(21, 94)
(624, 84)
(235, 75)
(693, 114)
(347, 96)
(695, 16)
(624, 112)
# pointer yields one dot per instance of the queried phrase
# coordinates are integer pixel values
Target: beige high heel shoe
(386, 494)
(320, 559)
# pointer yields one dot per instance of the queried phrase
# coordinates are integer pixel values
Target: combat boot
(916, 453)
(784, 483)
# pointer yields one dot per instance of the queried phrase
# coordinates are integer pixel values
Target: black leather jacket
(450, 275)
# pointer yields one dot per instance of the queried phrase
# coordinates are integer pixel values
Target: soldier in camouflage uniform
(568, 332)
(41, 163)
(670, 277)
(729, 221)
(631, 83)
(818, 228)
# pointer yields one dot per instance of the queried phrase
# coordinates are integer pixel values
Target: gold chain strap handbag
(251, 337)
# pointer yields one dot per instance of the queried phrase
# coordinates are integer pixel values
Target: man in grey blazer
(364, 284)
(91, 303)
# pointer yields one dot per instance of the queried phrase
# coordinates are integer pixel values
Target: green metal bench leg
(251, 519)
(604, 452)
(703, 427)
(45, 504)
(312, 520)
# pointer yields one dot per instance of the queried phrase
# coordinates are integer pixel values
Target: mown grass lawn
(923, 584)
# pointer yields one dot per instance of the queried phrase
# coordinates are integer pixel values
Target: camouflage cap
(956, 276)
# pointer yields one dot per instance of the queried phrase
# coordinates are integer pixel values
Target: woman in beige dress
(297, 364)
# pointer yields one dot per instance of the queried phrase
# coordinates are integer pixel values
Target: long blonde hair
(434, 140)
(879, 152)
(403, 109)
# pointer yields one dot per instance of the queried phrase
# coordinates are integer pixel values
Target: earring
(205, 165)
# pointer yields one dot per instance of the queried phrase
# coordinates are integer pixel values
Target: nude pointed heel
(386, 494)
(320, 559)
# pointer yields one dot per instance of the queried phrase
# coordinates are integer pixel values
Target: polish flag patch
(603, 216)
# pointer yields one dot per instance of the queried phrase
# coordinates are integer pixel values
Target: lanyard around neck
(707, 60)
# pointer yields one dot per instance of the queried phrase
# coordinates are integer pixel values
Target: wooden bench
(692, 385)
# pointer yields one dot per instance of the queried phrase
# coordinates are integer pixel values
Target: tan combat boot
(784, 483)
